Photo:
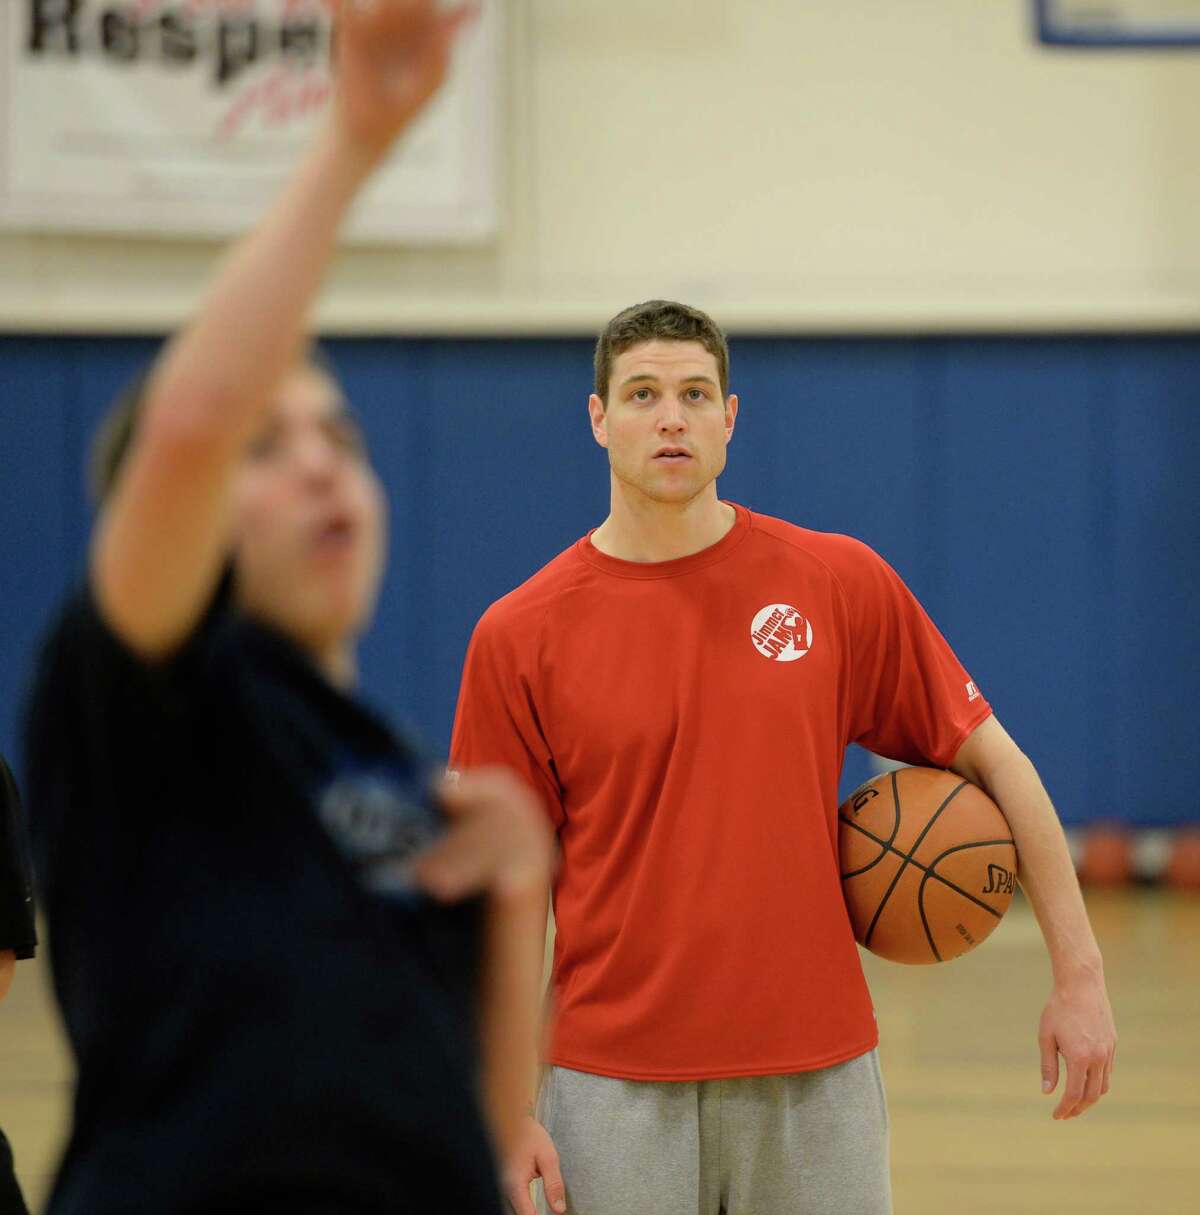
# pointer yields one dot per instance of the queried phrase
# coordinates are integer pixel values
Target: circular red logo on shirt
(781, 633)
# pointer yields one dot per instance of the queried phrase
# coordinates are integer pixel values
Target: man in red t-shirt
(679, 687)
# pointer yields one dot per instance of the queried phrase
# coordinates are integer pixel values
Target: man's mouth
(672, 455)
(336, 534)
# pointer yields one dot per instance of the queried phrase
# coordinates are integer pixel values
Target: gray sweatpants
(810, 1143)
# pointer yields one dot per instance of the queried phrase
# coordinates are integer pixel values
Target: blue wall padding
(1040, 495)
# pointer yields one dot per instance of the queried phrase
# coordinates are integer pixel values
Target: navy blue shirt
(264, 1014)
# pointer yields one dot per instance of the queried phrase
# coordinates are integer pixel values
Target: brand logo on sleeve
(781, 633)
(972, 691)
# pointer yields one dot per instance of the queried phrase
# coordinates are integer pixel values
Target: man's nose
(316, 459)
(672, 416)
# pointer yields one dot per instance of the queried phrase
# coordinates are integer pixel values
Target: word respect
(227, 37)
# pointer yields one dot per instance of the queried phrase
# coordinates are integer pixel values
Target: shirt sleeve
(497, 719)
(910, 699)
(17, 929)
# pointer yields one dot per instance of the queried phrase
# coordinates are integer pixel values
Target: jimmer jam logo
(781, 633)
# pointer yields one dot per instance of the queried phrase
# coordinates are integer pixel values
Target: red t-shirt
(685, 724)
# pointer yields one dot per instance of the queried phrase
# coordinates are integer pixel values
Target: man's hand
(1078, 1024)
(499, 845)
(534, 1155)
(499, 841)
(391, 57)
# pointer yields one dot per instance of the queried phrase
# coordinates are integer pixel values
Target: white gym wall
(795, 165)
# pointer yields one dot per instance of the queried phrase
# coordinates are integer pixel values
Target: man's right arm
(164, 536)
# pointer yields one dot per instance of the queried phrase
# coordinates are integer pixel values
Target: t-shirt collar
(668, 569)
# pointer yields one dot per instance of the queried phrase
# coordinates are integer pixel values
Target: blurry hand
(499, 841)
(534, 1155)
(8, 964)
(391, 57)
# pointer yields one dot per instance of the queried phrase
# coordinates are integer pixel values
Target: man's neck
(641, 529)
(338, 662)
(336, 658)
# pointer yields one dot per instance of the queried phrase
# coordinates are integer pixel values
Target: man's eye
(696, 394)
(641, 394)
(264, 447)
(348, 438)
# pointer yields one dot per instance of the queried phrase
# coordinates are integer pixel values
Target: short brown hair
(113, 439)
(658, 320)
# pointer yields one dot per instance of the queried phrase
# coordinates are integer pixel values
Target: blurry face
(309, 518)
(666, 426)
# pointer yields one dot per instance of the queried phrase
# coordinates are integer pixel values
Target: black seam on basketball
(930, 871)
(870, 864)
(921, 908)
(895, 807)
(886, 844)
(928, 868)
(883, 851)
(871, 835)
(891, 839)
(933, 818)
(924, 920)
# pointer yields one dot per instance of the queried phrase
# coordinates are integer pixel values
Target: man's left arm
(1077, 1021)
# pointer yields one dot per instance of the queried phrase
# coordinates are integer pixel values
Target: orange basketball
(928, 865)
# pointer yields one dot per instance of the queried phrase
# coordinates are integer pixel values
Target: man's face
(309, 518)
(666, 426)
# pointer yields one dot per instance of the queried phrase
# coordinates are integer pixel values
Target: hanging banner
(182, 117)
(1118, 23)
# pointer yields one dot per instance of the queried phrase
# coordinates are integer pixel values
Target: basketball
(928, 865)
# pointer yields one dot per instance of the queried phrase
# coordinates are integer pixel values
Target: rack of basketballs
(1112, 855)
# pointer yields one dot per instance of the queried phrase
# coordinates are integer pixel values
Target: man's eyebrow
(342, 419)
(687, 379)
(340, 413)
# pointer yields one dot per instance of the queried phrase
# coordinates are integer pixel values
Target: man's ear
(599, 419)
(731, 409)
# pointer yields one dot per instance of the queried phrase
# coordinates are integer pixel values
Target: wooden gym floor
(971, 1130)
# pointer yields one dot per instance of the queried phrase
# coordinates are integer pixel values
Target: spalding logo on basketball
(780, 633)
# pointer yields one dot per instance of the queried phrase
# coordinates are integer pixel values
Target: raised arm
(1077, 1022)
(163, 537)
